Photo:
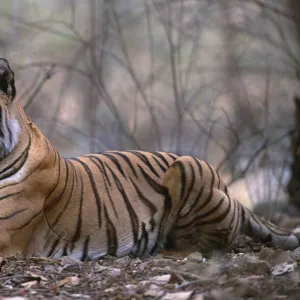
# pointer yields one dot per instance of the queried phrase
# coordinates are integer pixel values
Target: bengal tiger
(117, 202)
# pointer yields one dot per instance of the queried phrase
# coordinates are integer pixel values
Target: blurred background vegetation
(215, 79)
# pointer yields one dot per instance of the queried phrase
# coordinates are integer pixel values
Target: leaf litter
(250, 270)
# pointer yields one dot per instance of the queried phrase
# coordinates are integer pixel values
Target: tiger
(116, 203)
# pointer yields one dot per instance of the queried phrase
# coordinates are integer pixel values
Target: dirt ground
(249, 271)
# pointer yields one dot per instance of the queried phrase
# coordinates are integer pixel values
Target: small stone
(70, 261)
(176, 278)
(162, 262)
(124, 261)
(161, 280)
(189, 267)
(177, 296)
(252, 264)
(131, 286)
(195, 257)
(154, 293)
(243, 288)
(221, 294)
(285, 257)
(199, 297)
(267, 254)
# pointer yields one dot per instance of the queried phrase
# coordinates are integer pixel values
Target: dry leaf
(283, 268)
(72, 280)
(29, 284)
(35, 276)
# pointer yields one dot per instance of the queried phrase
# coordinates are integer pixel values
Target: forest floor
(249, 271)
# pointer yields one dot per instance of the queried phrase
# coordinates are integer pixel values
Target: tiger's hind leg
(203, 216)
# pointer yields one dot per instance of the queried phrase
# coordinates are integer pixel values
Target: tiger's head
(9, 124)
(7, 81)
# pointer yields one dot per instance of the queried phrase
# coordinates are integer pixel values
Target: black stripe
(235, 211)
(163, 169)
(144, 239)
(199, 166)
(10, 195)
(212, 210)
(152, 208)
(226, 190)
(13, 214)
(105, 180)
(27, 176)
(237, 216)
(65, 250)
(57, 180)
(68, 201)
(210, 195)
(54, 245)
(78, 229)
(20, 159)
(112, 241)
(218, 219)
(133, 217)
(211, 170)
(85, 249)
(191, 210)
(193, 179)
(116, 162)
(126, 158)
(194, 222)
(103, 171)
(219, 183)
(159, 155)
(29, 221)
(94, 188)
(172, 155)
(182, 177)
(167, 209)
(1, 125)
(145, 160)
(243, 214)
(54, 201)
(157, 187)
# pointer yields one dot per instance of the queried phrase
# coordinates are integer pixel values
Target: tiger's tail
(268, 233)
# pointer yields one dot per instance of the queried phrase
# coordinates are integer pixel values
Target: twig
(11, 277)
